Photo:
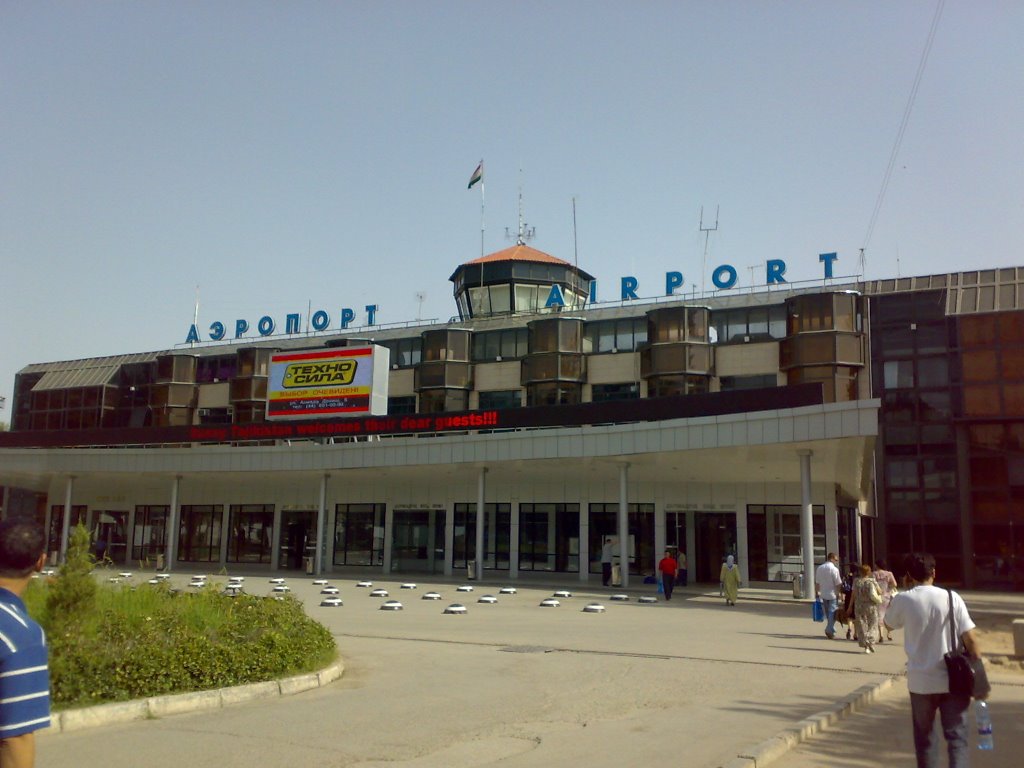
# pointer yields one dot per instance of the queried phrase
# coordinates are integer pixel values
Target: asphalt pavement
(693, 681)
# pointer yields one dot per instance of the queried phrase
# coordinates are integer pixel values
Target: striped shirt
(24, 675)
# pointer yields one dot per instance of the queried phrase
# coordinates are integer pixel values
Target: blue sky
(287, 155)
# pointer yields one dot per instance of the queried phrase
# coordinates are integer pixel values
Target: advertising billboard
(332, 383)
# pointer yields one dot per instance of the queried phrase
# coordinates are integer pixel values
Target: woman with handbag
(866, 599)
(887, 584)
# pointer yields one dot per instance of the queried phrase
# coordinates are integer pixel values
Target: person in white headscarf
(730, 580)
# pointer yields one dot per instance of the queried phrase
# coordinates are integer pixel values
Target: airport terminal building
(540, 423)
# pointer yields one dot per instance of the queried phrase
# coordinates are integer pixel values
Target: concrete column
(389, 535)
(449, 538)
(742, 544)
(660, 538)
(624, 524)
(129, 534)
(584, 541)
(858, 537)
(513, 541)
(806, 522)
(691, 545)
(321, 518)
(481, 486)
(275, 538)
(66, 523)
(226, 534)
(173, 527)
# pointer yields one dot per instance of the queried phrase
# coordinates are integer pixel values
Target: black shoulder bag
(967, 676)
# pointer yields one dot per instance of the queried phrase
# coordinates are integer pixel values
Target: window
(745, 324)
(78, 515)
(442, 400)
(149, 538)
(508, 344)
(604, 521)
(549, 537)
(252, 531)
(760, 381)
(902, 473)
(616, 335)
(214, 369)
(405, 404)
(405, 353)
(199, 536)
(497, 535)
(359, 534)
(553, 393)
(677, 386)
(898, 374)
(603, 393)
(509, 398)
(781, 526)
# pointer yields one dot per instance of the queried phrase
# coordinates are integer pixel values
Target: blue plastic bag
(817, 610)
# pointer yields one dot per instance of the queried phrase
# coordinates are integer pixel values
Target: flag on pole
(478, 175)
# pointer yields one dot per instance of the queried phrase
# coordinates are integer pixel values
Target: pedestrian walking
(730, 580)
(866, 599)
(668, 567)
(887, 584)
(923, 613)
(826, 585)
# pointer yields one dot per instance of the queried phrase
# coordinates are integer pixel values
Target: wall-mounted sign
(345, 382)
(318, 321)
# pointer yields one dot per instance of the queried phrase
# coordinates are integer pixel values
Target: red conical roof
(519, 253)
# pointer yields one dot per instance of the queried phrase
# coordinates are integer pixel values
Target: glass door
(298, 539)
(417, 544)
(716, 539)
(110, 536)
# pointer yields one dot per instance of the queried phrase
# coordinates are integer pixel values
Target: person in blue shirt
(24, 670)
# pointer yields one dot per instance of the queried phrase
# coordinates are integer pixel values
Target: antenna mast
(524, 232)
(707, 234)
(575, 252)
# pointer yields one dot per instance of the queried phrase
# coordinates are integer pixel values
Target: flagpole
(481, 231)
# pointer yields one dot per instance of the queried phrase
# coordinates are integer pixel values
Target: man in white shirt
(923, 613)
(827, 581)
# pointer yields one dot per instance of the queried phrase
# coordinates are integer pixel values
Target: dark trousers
(953, 714)
(682, 577)
(668, 581)
(606, 573)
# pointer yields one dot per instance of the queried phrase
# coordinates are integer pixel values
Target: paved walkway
(692, 682)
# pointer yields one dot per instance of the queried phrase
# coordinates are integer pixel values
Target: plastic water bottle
(984, 723)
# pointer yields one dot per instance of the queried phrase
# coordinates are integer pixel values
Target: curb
(769, 750)
(198, 701)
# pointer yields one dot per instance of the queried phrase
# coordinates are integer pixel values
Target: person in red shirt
(669, 567)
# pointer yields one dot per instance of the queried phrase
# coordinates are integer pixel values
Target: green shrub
(71, 597)
(148, 641)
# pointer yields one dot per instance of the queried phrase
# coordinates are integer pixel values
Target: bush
(148, 641)
(71, 597)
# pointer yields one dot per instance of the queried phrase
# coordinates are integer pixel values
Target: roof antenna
(707, 233)
(525, 232)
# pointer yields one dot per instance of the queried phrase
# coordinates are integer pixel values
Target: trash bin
(616, 575)
(310, 561)
(798, 585)
(160, 562)
(471, 569)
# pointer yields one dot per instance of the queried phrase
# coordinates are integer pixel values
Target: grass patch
(115, 643)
